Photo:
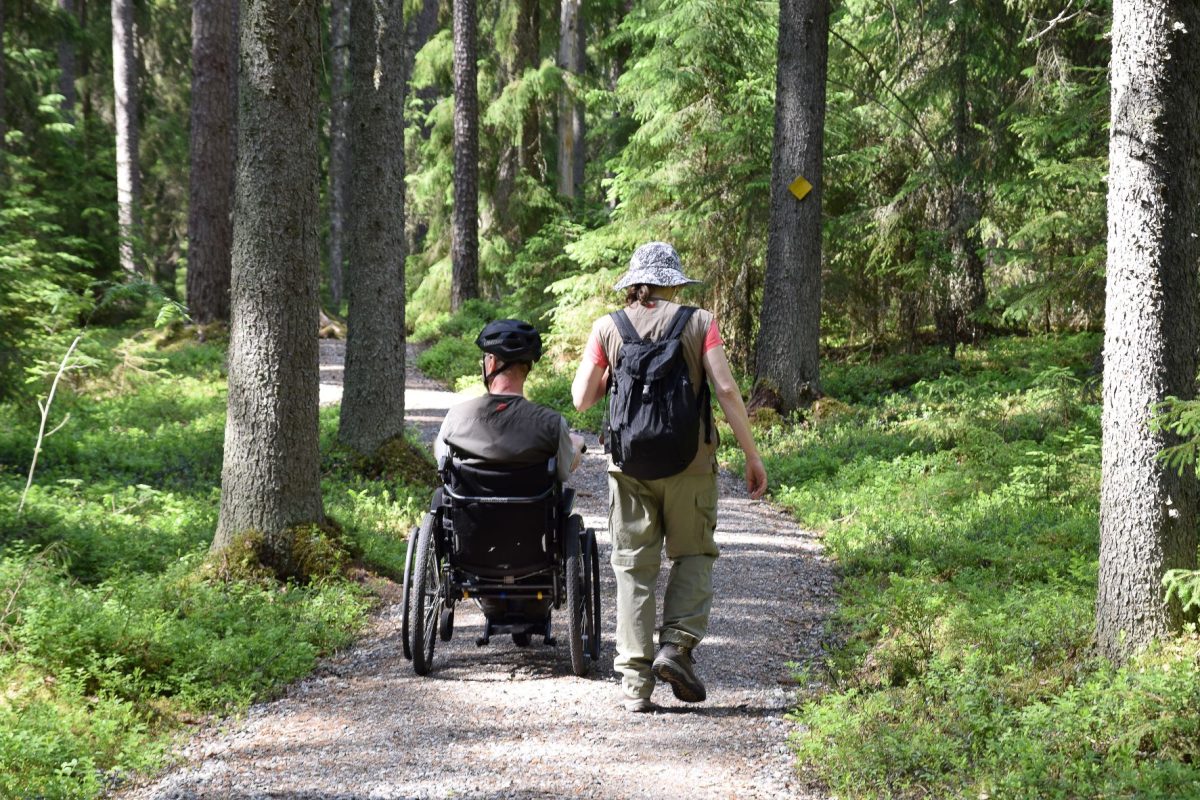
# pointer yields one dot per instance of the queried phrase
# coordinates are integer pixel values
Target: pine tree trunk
(464, 246)
(1147, 511)
(788, 356)
(339, 145)
(213, 156)
(571, 153)
(67, 70)
(372, 410)
(129, 179)
(270, 481)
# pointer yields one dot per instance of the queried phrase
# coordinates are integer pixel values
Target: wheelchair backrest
(501, 521)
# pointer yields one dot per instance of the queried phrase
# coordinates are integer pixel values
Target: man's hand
(756, 477)
(577, 441)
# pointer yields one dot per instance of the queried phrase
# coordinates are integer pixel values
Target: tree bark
(787, 359)
(213, 156)
(1147, 511)
(270, 481)
(523, 156)
(964, 291)
(67, 61)
(3, 106)
(125, 101)
(528, 56)
(464, 246)
(571, 152)
(339, 145)
(372, 410)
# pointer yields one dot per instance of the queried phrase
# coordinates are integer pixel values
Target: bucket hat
(656, 264)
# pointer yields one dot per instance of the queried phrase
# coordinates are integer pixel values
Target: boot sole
(684, 689)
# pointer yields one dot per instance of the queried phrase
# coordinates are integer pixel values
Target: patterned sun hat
(656, 264)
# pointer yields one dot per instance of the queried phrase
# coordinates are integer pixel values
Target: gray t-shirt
(506, 429)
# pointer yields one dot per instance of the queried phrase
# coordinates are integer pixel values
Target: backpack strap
(682, 316)
(629, 334)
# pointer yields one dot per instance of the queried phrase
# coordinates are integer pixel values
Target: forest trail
(507, 722)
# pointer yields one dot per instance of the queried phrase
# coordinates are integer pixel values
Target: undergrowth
(961, 502)
(114, 631)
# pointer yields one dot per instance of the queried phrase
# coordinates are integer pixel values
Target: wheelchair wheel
(406, 589)
(591, 568)
(575, 595)
(446, 624)
(426, 600)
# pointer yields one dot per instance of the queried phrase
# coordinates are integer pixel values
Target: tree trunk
(464, 246)
(3, 107)
(964, 291)
(1148, 511)
(788, 355)
(522, 156)
(85, 71)
(339, 145)
(570, 111)
(372, 410)
(125, 94)
(529, 47)
(270, 481)
(67, 70)
(213, 156)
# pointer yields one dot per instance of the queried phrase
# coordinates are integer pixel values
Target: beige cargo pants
(643, 514)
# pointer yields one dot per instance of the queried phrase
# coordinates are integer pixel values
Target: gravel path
(508, 722)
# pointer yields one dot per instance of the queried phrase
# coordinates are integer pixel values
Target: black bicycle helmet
(511, 341)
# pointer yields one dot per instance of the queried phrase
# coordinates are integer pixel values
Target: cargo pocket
(692, 518)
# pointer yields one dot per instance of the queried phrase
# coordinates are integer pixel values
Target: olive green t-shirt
(506, 429)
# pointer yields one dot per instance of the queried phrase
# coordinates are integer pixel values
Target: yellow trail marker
(800, 187)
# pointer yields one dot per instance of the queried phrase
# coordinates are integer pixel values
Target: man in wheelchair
(502, 427)
(500, 530)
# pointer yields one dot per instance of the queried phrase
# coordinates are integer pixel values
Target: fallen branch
(45, 409)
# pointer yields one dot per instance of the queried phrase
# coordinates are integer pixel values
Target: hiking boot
(674, 664)
(639, 705)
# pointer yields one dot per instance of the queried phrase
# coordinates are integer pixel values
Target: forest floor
(502, 721)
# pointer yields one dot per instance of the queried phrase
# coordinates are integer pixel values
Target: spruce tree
(270, 481)
(213, 146)
(788, 356)
(1152, 324)
(125, 101)
(465, 230)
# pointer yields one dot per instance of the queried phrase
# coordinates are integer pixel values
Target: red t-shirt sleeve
(712, 338)
(595, 352)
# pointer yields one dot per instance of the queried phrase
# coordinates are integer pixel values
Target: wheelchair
(505, 538)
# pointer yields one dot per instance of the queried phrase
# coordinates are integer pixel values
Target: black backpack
(654, 415)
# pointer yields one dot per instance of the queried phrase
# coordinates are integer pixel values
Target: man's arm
(440, 448)
(716, 364)
(570, 451)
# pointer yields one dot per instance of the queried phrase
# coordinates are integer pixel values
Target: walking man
(658, 357)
